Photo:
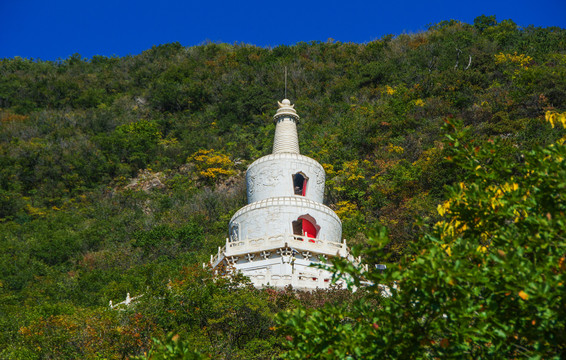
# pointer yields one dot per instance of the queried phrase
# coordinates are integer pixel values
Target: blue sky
(54, 29)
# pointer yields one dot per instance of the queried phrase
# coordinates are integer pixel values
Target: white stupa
(285, 227)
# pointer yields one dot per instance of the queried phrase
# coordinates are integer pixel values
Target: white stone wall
(281, 272)
(272, 176)
(275, 216)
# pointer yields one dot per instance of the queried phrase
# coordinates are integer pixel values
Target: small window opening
(300, 183)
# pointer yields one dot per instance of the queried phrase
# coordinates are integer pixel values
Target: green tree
(487, 281)
(172, 348)
(135, 143)
(482, 22)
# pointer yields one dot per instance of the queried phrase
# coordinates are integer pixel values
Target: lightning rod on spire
(285, 82)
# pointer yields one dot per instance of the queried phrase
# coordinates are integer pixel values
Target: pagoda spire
(286, 139)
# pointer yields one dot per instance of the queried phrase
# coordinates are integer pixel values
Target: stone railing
(129, 300)
(272, 243)
(298, 281)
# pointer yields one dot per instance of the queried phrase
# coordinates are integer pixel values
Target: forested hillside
(119, 175)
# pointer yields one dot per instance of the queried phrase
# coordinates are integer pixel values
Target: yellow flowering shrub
(346, 210)
(212, 165)
(520, 59)
(555, 117)
(517, 62)
(389, 90)
(395, 149)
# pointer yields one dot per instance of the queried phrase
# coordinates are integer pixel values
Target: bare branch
(469, 63)
(457, 58)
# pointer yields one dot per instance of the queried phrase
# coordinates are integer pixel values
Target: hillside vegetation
(119, 175)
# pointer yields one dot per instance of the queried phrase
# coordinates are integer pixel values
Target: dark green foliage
(101, 195)
(135, 143)
(161, 237)
(172, 348)
(483, 22)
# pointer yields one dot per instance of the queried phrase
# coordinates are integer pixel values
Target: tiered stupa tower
(285, 227)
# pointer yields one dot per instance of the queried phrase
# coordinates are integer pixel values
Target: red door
(309, 229)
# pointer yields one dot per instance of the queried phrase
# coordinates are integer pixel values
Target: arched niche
(300, 181)
(306, 225)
